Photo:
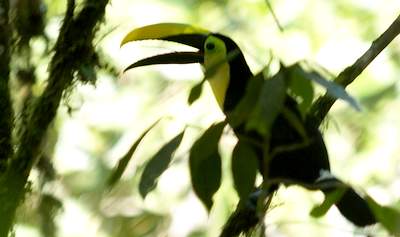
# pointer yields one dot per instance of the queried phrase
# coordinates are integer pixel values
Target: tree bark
(74, 47)
(6, 113)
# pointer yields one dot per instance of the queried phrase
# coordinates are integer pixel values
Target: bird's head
(225, 67)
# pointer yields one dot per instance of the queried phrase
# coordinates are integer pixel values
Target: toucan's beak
(179, 33)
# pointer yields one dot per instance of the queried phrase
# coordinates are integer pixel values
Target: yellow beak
(175, 32)
(163, 31)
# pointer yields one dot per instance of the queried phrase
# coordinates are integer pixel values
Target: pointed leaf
(387, 216)
(123, 162)
(301, 88)
(334, 89)
(206, 177)
(330, 199)
(195, 92)
(269, 105)
(205, 164)
(244, 169)
(158, 164)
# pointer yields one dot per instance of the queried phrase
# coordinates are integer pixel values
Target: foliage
(123, 162)
(258, 110)
(205, 164)
(158, 164)
(268, 100)
(77, 151)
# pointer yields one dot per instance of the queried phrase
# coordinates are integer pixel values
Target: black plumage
(305, 164)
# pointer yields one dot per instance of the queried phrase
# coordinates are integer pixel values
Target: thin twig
(271, 9)
(323, 104)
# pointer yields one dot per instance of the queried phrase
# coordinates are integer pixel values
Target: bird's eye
(210, 46)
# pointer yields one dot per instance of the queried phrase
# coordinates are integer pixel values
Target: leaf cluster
(263, 101)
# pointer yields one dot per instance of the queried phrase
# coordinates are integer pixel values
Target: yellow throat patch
(217, 68)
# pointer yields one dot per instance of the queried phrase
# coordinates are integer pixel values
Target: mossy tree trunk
(74, 48)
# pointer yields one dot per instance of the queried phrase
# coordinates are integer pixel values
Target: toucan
(308, 164)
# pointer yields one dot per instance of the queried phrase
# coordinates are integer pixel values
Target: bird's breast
(219, 82)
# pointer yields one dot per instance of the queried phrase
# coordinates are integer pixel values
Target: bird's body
(303, 164)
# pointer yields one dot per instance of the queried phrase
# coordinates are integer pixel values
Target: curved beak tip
(176, 32)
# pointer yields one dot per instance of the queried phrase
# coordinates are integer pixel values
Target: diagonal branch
(323, 104)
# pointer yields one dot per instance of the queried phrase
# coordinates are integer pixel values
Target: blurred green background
(97, 123)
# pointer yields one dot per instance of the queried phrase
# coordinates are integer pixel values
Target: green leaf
(195, 92)
(269, 104)
(334, 89)
(387, 216)
(301, 88)
(158, 164)
(205, 164)
(330, 199)
(123, 162)
(244, 169)
(246, 104)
